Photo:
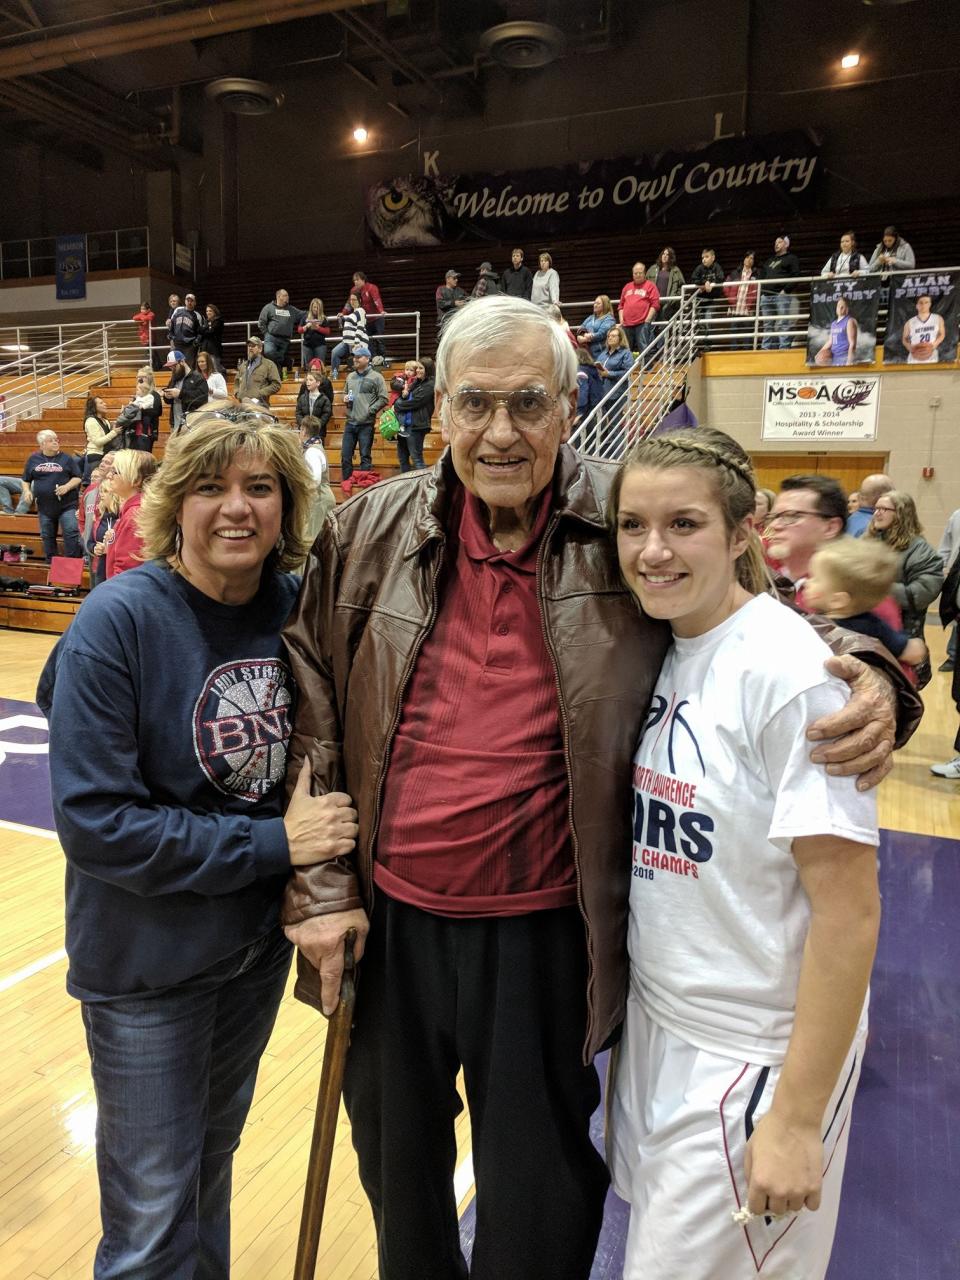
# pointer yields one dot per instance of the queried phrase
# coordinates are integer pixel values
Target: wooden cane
(325, 1121)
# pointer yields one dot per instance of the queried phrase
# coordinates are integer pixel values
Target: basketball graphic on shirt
(242, 723)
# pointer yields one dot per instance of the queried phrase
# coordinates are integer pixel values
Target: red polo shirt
(475, 817)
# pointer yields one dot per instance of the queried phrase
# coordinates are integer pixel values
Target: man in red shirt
(372, 304)
(639, 306)
(473, 671)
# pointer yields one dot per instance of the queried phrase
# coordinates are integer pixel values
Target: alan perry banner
(843, 320)
(775, 175)
(815, 408)
(922, 327)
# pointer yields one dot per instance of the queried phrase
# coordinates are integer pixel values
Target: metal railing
(399, 343)
(46, 379)
(105, 251)
(637, 403)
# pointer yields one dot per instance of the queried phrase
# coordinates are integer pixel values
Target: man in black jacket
(517, 280)
(778, 300)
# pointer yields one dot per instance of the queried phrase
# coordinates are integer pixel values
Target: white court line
(29, 970)
(463, 1179)
(28, 831)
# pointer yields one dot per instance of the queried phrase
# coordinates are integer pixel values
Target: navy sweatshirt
(170, 718)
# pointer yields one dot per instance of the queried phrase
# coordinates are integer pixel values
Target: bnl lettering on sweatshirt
(240, 733)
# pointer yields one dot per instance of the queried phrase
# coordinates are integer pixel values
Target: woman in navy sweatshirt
(177, 845)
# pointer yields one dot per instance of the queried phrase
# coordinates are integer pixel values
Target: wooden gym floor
(48, 1221)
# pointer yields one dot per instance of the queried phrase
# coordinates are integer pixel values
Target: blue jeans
(780, 305)
(356, 433)
(339, 353)
(174, 1073)
(276, 349)
(308, 353)
(67, 522)
(11, 490)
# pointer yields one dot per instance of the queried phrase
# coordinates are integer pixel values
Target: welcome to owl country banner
(777, 175)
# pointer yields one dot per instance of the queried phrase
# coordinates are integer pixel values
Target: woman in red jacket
(131, 471)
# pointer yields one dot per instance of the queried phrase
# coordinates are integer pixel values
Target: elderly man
(53, 478)
(871, 488)
(473, 671)
(257, 376)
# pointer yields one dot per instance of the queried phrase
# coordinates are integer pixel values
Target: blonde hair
(906, 523)
(606, 306)
(146, 372)
(318, 314)
(210, 448)
(864, 568)
(733, 482)
(135, 467)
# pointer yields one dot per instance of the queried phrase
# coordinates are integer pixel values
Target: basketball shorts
(679, 1122)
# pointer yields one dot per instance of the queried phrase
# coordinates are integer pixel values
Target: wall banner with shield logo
(71, 267)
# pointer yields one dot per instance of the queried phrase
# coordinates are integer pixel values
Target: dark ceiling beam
(31, 13)
(382, 48)
(40, 54)
(16, 19)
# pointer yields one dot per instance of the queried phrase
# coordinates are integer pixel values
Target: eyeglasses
(530, 409)
(879, 508)
(791, 517)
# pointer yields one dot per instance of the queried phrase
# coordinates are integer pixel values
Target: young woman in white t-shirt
(754, 905)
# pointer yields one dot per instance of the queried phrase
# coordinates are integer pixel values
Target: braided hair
(733, 480)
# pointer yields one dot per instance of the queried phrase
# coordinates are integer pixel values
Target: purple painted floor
(900, 1215)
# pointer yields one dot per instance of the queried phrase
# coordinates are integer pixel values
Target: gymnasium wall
(909, 430)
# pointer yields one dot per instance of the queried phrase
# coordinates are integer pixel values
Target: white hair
(499, 322)
(46, 434)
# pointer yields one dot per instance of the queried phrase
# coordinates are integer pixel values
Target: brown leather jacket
(369, 598)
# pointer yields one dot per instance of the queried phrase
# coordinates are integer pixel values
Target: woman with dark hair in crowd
(741, 290)
(211, 333)
(417, 406)
(131, 471)
(669, 279)
(314, 332)
(208, 366)
(892, 253)
(920, 569)
(353, 322)
(97, 428)
(178, 848)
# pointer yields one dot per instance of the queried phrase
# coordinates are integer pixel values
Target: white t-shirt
(722, 785)
(316, 460)
(924, 331)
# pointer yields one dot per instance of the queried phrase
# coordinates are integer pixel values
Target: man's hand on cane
(321, 940)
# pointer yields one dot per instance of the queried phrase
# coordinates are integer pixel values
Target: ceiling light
(360, 134)
(850, 60)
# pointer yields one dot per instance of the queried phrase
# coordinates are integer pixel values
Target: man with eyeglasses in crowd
(809, 511)
(473, 671)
